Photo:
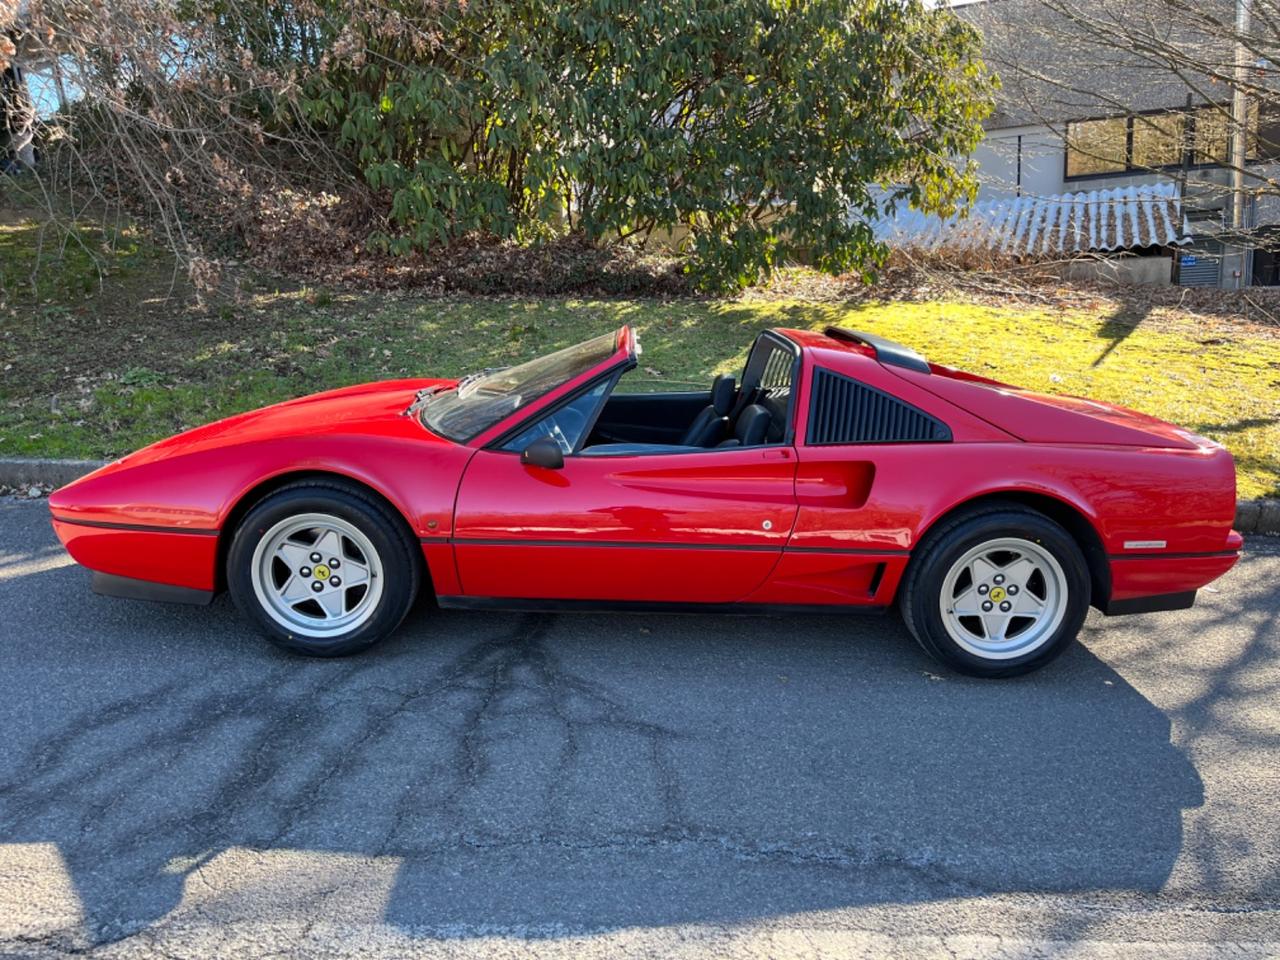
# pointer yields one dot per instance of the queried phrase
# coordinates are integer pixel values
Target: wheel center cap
(997, 593)
(321, 571)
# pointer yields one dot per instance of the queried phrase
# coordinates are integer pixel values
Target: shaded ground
(649, 786)
(94, 365)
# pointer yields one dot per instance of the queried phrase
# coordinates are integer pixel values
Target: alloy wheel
(317, 575)
(1004, 598)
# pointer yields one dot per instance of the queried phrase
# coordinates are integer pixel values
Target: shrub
(756, 130)
(764, 130)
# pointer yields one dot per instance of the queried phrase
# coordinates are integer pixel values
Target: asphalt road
(507, 785)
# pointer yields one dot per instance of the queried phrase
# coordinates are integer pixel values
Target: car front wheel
(322, 569)
(997, 593)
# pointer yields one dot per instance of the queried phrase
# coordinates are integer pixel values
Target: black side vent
(845, 411)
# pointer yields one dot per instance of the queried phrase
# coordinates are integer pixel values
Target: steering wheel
(563, 424)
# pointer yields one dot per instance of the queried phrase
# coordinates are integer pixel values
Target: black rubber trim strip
(110, 585)
(1164, 601)
(852, 551)
(1172, 556)
(645, 545)
(137, 527)
(655, 606)
(623, 544)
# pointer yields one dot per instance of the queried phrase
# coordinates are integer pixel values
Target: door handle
(776, 453)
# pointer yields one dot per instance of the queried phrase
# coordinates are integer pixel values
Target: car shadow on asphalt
(537, 773)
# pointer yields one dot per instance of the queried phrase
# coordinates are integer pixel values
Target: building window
(1269, 133)
(1161, 140)
(1158, 140)
(1212, 135)
(1097, 146)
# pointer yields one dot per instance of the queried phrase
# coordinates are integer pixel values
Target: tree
(758, 130)
(17, 113)
(762, 129)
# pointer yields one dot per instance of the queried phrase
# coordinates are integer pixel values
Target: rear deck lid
(1048, 418)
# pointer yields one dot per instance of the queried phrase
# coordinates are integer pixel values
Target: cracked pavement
(643, 786)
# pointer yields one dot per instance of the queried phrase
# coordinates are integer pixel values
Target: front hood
(1046, 418)
(193, 480)
(364, 408)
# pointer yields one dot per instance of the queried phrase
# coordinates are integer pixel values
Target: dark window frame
(613, 374)
(1188, 151)
(787, 345)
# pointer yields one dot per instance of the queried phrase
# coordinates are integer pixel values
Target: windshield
(481, 400)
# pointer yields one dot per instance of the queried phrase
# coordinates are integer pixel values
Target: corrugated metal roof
(1063, 224)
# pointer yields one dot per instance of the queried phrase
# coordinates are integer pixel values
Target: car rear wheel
(323, 569)
(997, 593)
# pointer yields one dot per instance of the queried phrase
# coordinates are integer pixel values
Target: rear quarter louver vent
(845, 411)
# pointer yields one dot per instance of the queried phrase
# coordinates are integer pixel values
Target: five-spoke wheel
(324, 568)
(317, 574)
(996, 591)
(1003, 598)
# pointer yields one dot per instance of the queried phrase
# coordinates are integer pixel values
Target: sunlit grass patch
(49, 265)
(99, 382)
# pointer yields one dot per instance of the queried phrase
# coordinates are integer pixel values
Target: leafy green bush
(754, 131)
(748, 132)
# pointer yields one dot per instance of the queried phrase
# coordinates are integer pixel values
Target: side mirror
(545, 453)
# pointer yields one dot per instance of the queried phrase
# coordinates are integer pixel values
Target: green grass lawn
(91, 369)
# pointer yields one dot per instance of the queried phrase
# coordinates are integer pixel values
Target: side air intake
(845, 411)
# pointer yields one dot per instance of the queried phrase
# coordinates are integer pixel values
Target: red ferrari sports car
(840, 472)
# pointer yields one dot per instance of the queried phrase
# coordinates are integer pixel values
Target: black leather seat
(712, 423)
(752, 428)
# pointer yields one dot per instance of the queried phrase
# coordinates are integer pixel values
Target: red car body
(794, 523)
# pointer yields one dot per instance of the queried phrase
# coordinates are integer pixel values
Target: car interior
(755, 413)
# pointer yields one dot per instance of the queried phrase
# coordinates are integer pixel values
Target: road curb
(23, 472)
(1252, 516)
(1258, 516)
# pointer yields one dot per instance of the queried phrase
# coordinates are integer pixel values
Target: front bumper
(109, 585)
(158, 555)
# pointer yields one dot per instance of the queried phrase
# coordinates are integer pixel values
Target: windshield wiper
(420, 400)
(423, 396)
(471, 378)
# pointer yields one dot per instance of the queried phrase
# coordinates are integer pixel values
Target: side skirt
(537, 605)
(110, 585)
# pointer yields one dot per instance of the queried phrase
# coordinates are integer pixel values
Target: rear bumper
(1164, 601)
(1143, 584)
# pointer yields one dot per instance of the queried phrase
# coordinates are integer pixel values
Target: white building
(1094, 149)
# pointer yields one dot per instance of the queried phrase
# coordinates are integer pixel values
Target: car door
(864, 465)
(703, 526)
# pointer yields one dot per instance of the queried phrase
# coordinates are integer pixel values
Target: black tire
(401, 563)
(947, 544)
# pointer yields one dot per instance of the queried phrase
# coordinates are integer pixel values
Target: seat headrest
(722, 388)
(753, 425)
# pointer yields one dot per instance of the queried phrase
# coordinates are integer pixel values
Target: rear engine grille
(845, 411)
